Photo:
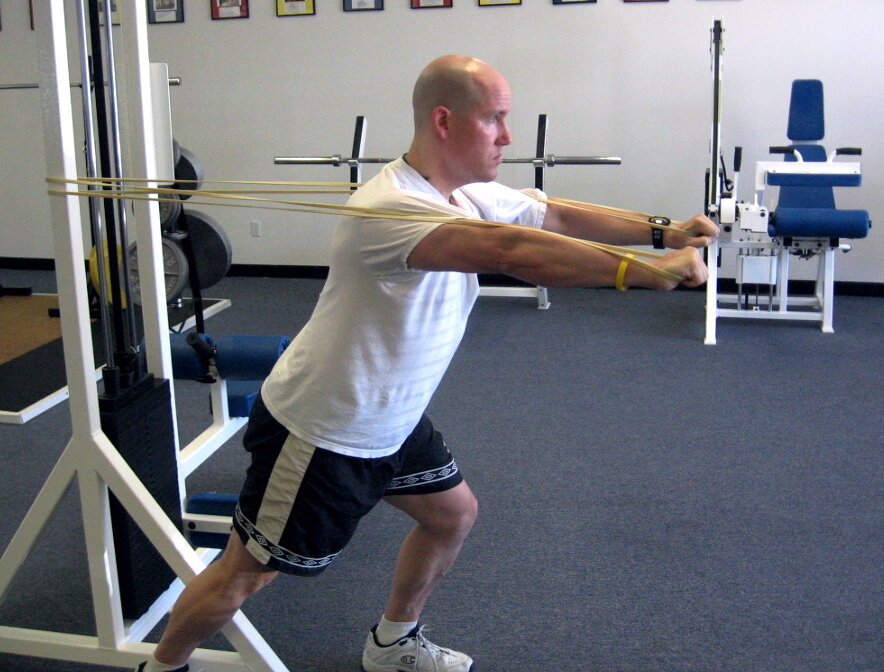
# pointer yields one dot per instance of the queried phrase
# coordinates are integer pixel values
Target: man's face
(479, 135)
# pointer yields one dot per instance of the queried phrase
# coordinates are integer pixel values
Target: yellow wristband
(621, 272)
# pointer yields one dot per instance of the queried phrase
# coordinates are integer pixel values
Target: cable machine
(137, 383)
(804, 222)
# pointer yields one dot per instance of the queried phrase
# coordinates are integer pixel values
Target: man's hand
(702, 231)
(686, 263)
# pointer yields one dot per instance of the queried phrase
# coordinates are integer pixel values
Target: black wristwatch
(656, 233)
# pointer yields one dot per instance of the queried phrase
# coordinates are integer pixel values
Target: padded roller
(248, 357)
(812, 180)
(241, 396)
(244, 357)
(212, 503)
(819, 223)
(186, 364)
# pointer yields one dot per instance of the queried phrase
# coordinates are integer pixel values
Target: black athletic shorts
(300, 504)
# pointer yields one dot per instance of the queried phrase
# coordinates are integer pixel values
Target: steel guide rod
(117, 155)
(91, 170)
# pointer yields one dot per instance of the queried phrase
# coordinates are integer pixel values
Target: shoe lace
(434, 651)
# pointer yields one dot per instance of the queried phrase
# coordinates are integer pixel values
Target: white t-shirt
(358, 376)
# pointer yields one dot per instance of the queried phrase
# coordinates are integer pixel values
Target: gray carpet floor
(647, 503)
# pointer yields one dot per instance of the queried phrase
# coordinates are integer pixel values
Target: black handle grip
(202, 349)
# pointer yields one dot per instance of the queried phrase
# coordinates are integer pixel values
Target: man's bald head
(453, 81)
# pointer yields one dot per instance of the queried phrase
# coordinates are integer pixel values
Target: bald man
(340, 422)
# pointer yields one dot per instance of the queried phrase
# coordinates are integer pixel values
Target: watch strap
(656, 232)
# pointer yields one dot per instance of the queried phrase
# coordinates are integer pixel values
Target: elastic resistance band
(621, 273)
(625, 215)
(165, 194)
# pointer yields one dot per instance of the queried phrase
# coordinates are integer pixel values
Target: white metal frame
(751, 239)
(89, 457)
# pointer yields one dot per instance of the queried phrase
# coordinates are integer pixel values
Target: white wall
(630, 79)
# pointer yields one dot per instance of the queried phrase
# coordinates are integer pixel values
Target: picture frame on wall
(295, 7)
(645, 0)
(428, 4)
(230, 9)
(165, 11)
(573, 2)
(115, 13)
(363, 5)
(490, 3)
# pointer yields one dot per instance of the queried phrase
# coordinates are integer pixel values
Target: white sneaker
(412, 653)
(183, 668)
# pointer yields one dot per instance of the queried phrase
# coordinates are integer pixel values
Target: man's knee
(240, 570)
(454, 514)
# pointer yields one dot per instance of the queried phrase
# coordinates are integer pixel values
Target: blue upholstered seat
(806, 204)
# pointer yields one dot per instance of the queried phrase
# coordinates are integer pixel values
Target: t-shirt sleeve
(385, 244)
(498, 203)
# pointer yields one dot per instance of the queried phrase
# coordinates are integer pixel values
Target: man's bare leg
(444, 519)
(210, 600)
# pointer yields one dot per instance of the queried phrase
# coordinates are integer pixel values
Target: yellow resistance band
(621, 272)
(625, 215)
(165, 194)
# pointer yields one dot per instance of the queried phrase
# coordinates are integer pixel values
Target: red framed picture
(427, 4)
(230, 9)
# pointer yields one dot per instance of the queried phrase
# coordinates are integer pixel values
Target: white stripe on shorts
(282, 488)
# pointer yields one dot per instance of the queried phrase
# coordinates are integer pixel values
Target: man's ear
(441, 118)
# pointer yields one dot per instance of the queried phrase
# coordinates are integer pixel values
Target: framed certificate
(230, 9)
(295, 7)
(570, 2)
(165, 11)
(115, 13)
(362, 5)
(426, 4)
(488, 3)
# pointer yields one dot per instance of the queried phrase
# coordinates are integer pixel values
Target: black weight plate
(175, 271)
(188, 173)
(170, 210)
(212, 252)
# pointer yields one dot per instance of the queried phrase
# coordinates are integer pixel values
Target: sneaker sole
(472, 669)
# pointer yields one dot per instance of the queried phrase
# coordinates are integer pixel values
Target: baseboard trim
(726, 285)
